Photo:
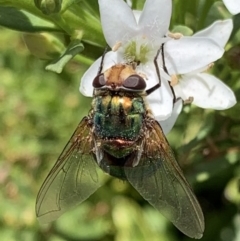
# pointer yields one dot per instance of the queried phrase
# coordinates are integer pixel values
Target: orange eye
(135, 82)
(99, 81)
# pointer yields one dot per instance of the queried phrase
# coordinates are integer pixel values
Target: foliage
(39, 111)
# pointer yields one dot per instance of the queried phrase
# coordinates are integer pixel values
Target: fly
(121, 137)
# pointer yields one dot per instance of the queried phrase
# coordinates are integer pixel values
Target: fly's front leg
(102, 60)
(158, 85)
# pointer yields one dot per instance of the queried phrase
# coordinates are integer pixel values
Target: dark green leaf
(21, 20)
(217, 11)
(73, 49)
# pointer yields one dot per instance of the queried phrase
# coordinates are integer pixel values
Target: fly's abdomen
(118, 117)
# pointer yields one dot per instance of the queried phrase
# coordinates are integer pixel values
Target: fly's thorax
(119, 110)
(118, 115)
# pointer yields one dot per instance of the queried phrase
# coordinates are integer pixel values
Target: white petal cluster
(233, 6)
(137, 36)
(206, 90)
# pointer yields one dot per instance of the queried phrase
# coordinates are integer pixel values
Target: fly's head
(120, 77)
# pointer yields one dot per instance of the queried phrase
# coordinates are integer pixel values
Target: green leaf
(236, 25)
(137, 4)
(216, 12)
(79, 224)
(67, 3)
(74, 48)
(232, 190)
(21, 20)
(45, 45)
(186, 31)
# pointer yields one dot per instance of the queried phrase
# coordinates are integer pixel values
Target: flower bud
(48, 6)
(44, 45)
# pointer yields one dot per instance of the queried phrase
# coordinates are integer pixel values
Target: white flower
(233, 6)
(168, 124)
(192, 53)
(207, 90)
(136, 39)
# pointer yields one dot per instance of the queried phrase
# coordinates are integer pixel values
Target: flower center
(137, 50)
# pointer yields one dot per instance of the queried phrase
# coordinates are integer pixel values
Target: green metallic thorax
(118, 118)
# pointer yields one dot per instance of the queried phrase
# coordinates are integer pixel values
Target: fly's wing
(73, 178)
(160, 181)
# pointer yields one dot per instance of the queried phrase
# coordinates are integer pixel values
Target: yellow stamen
(209, 66)
(175, 36)
(174, 80)
(189, 100)
(116, 46)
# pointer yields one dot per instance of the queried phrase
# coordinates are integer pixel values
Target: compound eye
(135, 82)
(99, 81)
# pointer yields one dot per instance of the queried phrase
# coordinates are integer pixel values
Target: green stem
(90, 24)
(83, 60)
(58, 20)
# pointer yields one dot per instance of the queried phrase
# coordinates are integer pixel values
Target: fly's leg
(158, 85)
(102, 60)
(163, 60)
(165, 69)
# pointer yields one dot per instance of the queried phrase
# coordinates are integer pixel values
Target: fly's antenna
(102, 60)
(134, 64)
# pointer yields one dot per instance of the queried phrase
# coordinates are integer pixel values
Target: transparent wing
(160, 181)
(73, 178)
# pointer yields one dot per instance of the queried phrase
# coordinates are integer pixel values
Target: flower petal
(168, 124)
(233, 6)
(189, 53)
(118, 21)
(137, 15)
(161, 100)
(86, 87)
(129, 2)
(219, 31)
(207, 91)
(155, 18)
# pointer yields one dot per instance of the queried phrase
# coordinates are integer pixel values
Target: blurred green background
(39, 111)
